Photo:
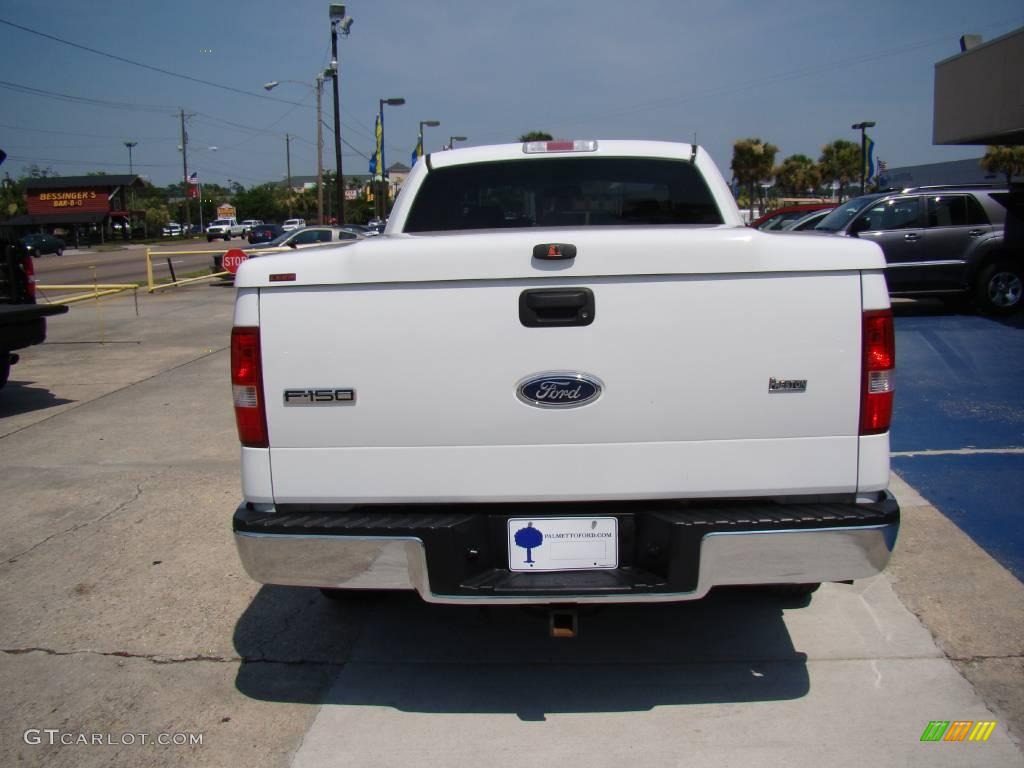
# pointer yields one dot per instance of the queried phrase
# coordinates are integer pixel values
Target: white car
(291, 224)
(248, 224)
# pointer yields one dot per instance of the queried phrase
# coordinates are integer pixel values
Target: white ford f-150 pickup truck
(566, 373)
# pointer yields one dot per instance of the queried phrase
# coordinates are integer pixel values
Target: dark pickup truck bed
(22, 321)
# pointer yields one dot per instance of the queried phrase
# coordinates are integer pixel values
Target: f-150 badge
(321, 396)
(559, 390)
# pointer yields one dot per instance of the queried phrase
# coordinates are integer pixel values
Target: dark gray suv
(939, 240)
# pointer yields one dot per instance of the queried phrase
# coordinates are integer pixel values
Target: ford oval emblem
(559, 390)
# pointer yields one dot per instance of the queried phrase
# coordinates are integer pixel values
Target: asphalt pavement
(125, 611)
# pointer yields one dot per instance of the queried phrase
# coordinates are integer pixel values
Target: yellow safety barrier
(98, 290)
(154, 286)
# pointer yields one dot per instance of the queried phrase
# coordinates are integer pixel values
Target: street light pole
(288, 168)
(863, 148)
(131, 172)
(130, 144)
(338, 19)
(429, 124)
(453, 139)
(383, 170)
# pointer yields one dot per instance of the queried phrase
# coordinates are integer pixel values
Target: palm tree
(1008, 160)
(840, 161)
(752, 160)
(798, 174)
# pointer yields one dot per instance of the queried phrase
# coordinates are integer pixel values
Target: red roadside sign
(233, 260)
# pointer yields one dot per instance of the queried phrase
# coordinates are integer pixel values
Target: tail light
(878, 372)
(30, 276)
(247, 387)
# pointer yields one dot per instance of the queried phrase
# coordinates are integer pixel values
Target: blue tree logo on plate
(529, 538)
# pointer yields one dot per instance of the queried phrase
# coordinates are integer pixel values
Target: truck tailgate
(685, 362)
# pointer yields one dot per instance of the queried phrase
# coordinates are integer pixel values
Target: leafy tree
(536, 136)
(840, 162)
(798, 174)
(265, 201)
(12, 197)
(1006, 160)
(157, 217)
(752, 161)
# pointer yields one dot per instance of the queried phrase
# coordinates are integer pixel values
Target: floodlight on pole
(453, 139)
(339, 20)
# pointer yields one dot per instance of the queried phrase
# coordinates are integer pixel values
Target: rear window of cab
(562, 192)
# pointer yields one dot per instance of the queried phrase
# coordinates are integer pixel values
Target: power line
(86, 135)
(131, 107)
(26, 159)
(145, 66)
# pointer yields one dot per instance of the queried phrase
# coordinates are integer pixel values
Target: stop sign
(233, 260)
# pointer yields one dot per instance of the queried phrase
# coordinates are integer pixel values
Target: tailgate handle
(553, 307)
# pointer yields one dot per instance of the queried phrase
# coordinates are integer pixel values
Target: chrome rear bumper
(794, 556)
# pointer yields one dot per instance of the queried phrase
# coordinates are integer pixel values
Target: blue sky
(792, 72)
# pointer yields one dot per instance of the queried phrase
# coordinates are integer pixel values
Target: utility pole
(319, 151)
(184, 170)
(288, 161)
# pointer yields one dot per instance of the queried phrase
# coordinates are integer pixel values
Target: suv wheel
(999, 287)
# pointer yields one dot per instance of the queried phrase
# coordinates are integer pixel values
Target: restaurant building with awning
(81, 209)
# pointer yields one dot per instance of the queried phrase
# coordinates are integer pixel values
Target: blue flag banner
(869, 158)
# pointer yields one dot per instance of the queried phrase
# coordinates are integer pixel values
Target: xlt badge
(787, 385)
(321, 396)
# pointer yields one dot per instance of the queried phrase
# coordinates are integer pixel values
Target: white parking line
(962, 452)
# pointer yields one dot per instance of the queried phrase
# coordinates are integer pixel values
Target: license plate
(562, 543)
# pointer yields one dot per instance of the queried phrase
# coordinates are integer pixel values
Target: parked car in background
(172, 229)
(941, 240)
(264, 233)
(364, 229)
(777, 219)
(39, 244)
(291, 224)
(377, 225)
(299, 238)
(807, 222)
(248, 224)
